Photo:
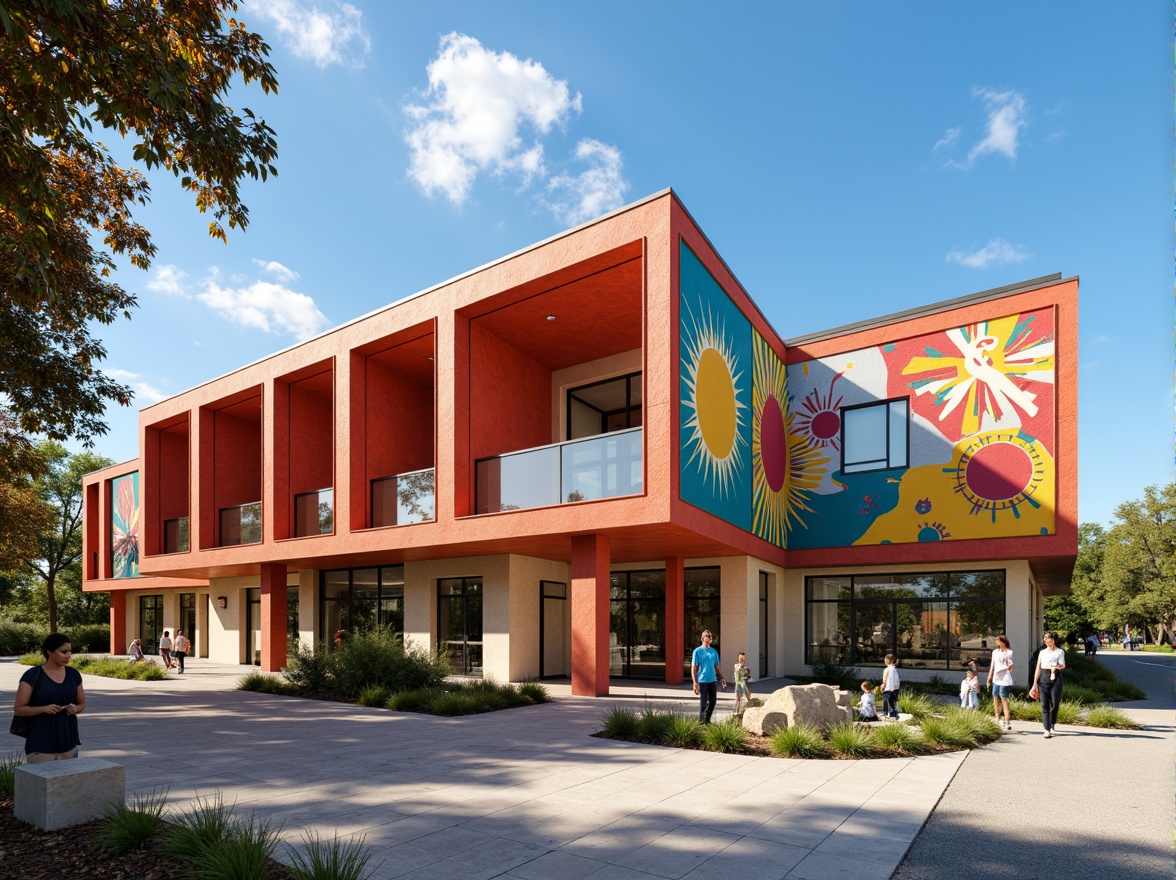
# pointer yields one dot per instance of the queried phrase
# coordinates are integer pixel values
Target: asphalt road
(1086, 804)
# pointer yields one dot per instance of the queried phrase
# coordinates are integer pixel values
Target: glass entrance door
(459, 623)
(638, 622)
(150, 623)
(253, 626)
(553, 629)
(188, 619)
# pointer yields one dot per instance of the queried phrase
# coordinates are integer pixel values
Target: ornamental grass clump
(261, 683)
(535, 692)
(918, 706)
(1108, 716)
(1024, 710)
(1069, 712)
(982, 727)
(653, 725)
(619, 722)
(725, 736)
(8, 765)
(127, 827)
(243, 854)
(333, 859)
(849, 740)
(797, 741)
(202, 826)
(950, 731)
(413, 701)
(900, 738)
(684, 732)
(374, 697)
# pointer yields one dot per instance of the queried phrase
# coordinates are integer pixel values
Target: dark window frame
(627, 410)
(884, 464)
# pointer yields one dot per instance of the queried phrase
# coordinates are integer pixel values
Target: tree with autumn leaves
(72, 73)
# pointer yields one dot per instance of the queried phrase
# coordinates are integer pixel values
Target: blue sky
(848, 160)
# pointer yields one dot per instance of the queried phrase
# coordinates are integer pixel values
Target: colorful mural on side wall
(980, 435)
(124, 526)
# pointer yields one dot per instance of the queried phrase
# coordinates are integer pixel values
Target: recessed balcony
(605, 466)
(404, 499)
(240, 524)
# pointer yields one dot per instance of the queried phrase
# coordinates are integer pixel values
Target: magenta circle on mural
(773, 446)
(825, 425)
(999, 471)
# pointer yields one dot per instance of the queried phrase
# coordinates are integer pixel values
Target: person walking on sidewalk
(165, 649)
(181, 649)
(891, 683)
(1000, 676)
(1047, 678)
(704, 669)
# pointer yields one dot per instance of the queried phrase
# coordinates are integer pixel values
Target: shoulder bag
(22, 724)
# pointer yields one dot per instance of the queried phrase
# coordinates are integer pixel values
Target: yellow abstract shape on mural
(1000, 484)
(990, 357)
(716, 404)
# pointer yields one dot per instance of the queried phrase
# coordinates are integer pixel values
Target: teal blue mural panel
(124, 526)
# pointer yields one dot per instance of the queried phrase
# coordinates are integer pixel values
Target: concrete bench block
(58, 794)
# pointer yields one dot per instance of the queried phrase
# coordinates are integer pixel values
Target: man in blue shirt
(704, 669)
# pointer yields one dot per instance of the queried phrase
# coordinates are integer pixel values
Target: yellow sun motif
(712, 379)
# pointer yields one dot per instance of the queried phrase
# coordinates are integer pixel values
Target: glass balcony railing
(314, 513)
(240, 525)
(605, 466)
(404, 499)
(175, 535)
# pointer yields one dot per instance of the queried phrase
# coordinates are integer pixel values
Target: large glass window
(603, 407)
(700, 610)
(638, 624)
(403, 499)
(874, 436)
(459, 623)
(359, 598)
(150, 623)
(938, 620)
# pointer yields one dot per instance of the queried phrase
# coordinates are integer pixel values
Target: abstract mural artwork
(124, 526)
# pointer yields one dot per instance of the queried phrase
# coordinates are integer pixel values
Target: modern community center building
(569, 462)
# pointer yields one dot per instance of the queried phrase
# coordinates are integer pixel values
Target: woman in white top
(1000, 677)
(1051, 660)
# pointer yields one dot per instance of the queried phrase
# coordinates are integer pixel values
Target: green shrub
(453, 703)
(619, 722)
(242, 855)
(8, 765)
(20, 638)
(412, 701)
(311, 668)
(850, 740)
(982, 727)
(918, 706)
(798, 741)
(901, 738)
(684, 731)
(1121, 691)
(196, 829)
(1163, 649)
(725, 736)
(333, 859)
(535, 691)
(1107, 716)
(1069, 712)
(654, 724)
(373, 697)
(32, 658)
(947, 731)
(90, 638)
(128, 827)
(379, 657)
(116, 667)
(937, 684)
(832, 672)
(1024, 710)
(1083, 695)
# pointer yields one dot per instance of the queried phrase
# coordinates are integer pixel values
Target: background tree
(1139, 564)
(60, 546)
(1079, 613)
(157, 73)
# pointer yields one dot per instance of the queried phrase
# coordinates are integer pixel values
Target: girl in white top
(1051, 660)
(1000, 677)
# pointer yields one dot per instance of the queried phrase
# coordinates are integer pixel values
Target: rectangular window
(936, 620)
(874, 436)
(175, 535)
(240, 525)
(360, 598)
(314, 513)
(403, 499)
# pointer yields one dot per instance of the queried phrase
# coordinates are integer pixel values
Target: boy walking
(891, 682)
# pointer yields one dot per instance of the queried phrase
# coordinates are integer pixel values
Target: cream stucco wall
(1023, 612)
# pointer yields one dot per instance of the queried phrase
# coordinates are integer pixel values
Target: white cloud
(948, 140)
(143, 391)
(1007, 117)
(997, 252)
(277, 269)
(476, 107)
(331, 33)
(265, 305)
(596, 190)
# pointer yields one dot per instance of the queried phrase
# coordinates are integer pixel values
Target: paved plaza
(524, 793)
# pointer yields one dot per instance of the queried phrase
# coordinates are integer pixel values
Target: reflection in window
(403, 499)
(240, 525)
(874, 437)
(637, 623)
(459, 622)
(700, 606)
(604, 407)
(314, 513)
(175, 535)
(937, 620)
(361, 598)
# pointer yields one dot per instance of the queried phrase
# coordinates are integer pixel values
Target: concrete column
(273, 617)
(590, 604)
(675, 620)
(118, 622)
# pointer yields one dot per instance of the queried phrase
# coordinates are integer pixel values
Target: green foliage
(311, 668)
(129, 827)
(727, 736)
(937, 684)
(1069, 712)
(333, 859)
(32, 658)
(1024, 710)
(1083, 695)
(620, 722)
(196, 829)
(850, 740)
(951, 732)
(116, 667)
(832, 672)
(413, 701)
(797, 741)
(20, 638)
(373, 697)
(901, 738)
(535, 692)
(684, 732)
(454, 703)
(1107, 716)
(242, 855)
(654, 724)
(262, 683)
(375, 657)
(90, 638)
(981, 725)
(918, 706)
(8, 765)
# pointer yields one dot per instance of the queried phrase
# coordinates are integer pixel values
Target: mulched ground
(28, 853)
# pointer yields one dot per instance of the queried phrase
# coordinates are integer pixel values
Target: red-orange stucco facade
(569, 461)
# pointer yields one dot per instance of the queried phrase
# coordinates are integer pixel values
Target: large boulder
(818, 705)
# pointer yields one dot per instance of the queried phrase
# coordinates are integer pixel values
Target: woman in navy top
(52, 696)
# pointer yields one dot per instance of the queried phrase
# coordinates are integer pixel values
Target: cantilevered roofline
(920, 311)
